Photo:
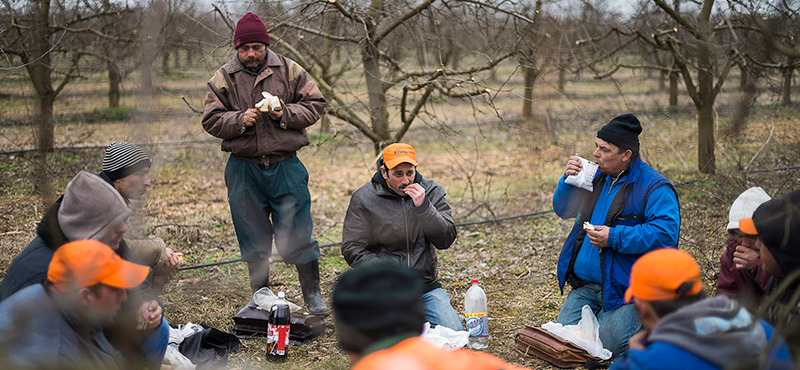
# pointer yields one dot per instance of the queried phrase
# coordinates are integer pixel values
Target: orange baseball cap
(84, 263)
(664, 274)
(748, 226)
(399, 153)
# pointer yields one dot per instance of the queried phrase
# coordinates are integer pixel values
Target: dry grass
(489, 167)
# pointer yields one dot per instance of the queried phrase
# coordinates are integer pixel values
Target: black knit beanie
(374, 300)
(623, 131)
(778, 224)
(123, 159)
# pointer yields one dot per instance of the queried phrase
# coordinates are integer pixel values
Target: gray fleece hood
(718, 330)
(91, 208)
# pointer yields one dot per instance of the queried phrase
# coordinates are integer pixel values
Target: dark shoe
(259, 274)
(309, 282)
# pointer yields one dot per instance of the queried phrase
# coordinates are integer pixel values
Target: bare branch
(397, 22)
(225, 18)
(677, 17)
(772, 41)
(320, 33)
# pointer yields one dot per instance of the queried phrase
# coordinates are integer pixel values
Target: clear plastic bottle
(278, 330)
(477, 319)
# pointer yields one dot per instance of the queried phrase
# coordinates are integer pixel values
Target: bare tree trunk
(530, 79)
(114, 80)
(673, 89)
(706, 161)
(742, 77)
(379, 114)
(786, 89)
(662, 78)
(562, 79)
(176, 58)
(165, 62)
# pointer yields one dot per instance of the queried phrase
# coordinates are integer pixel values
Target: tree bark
(165, 62)
(114, 80)
(742, 77)
(662, 78)
(706, 160)
(786, 89)
(673, 89)
(379, 114)
(562, 79)
(530, 79)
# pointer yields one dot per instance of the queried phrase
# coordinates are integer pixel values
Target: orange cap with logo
(84, 263)
(399, 153)
(664, 274)
(747, 226)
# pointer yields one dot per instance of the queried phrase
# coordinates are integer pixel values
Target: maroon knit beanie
(250, 29)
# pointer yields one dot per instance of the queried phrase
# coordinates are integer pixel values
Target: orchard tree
(380, 40)
(50, 38)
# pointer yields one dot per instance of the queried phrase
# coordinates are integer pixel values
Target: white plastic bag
(444, 337)
(584, 178)
(176, 359)
(586, 334)
(264, 298)
(183, 331)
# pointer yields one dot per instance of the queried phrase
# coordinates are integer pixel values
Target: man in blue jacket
(631, 210)
(684, 330)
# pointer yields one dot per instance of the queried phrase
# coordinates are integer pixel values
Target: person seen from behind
(379, 320)
(777, 223)
(682, 329)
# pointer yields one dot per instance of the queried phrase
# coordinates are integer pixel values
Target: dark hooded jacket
(381, 224)
(778, 224)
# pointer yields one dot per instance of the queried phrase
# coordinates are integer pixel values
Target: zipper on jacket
(610, 187)
(405, 220)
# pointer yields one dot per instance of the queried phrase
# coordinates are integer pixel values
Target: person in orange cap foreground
(682, 329)
(59, 324)
(379, 318)
(404, 217)
(777, 223)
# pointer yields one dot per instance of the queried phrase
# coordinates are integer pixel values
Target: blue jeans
(279, 191)
(616, 326)
(155, 346)
(438, 310)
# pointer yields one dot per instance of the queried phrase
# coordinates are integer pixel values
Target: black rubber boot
(259, 274)
(309, 282)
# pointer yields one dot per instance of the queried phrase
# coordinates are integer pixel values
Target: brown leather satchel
(539, 343)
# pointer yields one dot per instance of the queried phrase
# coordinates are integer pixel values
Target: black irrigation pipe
(469, 223)
(210, 264)
(97, 147)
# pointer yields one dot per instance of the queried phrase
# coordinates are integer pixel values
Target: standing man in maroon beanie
(267, 183)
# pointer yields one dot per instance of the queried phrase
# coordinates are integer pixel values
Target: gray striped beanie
(122, 159)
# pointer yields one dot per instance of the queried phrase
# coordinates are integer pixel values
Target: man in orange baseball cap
(682, 329)
(404, 217)
(59, 323)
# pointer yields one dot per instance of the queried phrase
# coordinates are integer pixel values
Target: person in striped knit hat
(127, 168)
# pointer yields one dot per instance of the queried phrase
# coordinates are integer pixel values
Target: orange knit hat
(664, 274)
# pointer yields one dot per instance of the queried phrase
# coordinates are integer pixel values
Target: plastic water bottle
(477, 319)
(278, 330)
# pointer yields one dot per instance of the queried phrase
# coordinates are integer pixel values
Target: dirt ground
(489, 167)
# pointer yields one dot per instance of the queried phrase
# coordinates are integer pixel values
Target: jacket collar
(272, 60)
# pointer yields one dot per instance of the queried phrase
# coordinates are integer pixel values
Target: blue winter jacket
(639, 223)
(666, 356)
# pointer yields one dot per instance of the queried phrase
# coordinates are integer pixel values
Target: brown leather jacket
(233, 90)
